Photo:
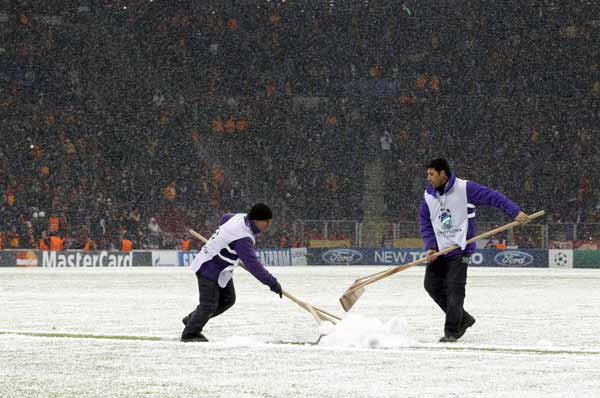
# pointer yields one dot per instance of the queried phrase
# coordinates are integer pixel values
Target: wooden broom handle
(301, 303)
(367, 280)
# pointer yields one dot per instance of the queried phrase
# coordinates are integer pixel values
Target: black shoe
(448, 339)
(197, 338)
(466, 323)
(185, 320)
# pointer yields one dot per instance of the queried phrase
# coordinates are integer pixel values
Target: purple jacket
(477, 195)
(245, 251)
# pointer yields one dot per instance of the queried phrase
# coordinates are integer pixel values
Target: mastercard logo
(27, 259)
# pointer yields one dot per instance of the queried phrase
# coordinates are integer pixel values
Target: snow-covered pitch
(114, 333)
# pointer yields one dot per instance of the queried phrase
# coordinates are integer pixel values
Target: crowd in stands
(136, 120)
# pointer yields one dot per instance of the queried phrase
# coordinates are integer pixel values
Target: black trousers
(445, 281)
(214, 300)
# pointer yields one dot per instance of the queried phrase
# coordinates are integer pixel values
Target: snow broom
(353, 293)
(317, 313)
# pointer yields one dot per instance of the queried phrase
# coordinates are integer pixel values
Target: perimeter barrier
(341, 256)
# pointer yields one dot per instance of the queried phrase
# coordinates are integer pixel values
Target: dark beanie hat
(260, 211)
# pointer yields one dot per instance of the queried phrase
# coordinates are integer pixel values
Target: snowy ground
(537, 335)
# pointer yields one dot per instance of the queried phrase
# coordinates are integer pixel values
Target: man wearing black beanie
(260, 212)
(234, 240)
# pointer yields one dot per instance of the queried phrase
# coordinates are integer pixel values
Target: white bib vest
(235, 228)
(449, 216)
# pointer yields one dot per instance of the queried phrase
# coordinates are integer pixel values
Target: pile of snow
(358, 331)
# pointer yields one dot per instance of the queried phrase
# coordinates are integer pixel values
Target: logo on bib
(445, 218)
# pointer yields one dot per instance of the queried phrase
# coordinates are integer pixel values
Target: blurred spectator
(126, 243)
(56, 242)
(185, 244)
(14, 240)
(155, 233)
(89, 245)
(44, 242)
(386, 145)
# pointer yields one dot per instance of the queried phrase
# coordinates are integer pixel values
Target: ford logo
(516, 258)
(342, 256)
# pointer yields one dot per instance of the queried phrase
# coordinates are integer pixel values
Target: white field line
(418, 346)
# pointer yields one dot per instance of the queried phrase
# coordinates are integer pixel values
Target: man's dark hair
(260, 211)
(439, 164)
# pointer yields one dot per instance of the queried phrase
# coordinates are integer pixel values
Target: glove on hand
(276, 288)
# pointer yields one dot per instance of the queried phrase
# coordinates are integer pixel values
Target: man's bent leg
(226, 298)
(209, 302)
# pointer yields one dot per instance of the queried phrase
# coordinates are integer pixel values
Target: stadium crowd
(139, 119)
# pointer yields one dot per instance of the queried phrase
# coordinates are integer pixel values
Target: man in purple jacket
(233, 241)
(447, 218)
